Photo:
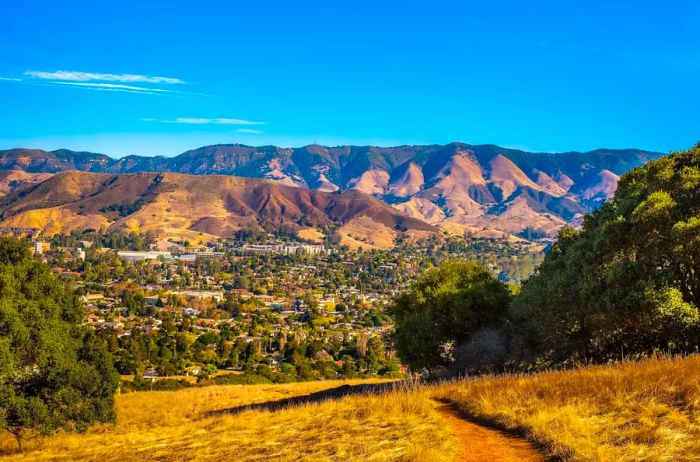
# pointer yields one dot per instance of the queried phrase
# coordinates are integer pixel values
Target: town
(249, 310)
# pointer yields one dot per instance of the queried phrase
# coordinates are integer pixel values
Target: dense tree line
(629, 281)
(304, 354)
(54, 374)
(626, 285)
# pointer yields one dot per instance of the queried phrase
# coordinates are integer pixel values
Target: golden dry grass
(648, 411)
(399, 426)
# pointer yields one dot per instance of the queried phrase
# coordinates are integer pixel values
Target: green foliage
(443, 308)
(53, 374)
(629, 281)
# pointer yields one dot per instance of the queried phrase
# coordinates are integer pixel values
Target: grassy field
(648, 411)
(400, 426)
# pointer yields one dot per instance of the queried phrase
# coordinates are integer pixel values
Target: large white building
(130, 255)
(284, 249)
(40, 247)
(216, 295)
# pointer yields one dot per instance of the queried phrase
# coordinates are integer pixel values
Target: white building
(129, 255)
(285, 249)
(216, 295)
(39, 247)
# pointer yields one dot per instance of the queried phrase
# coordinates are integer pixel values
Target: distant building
(243, 294)
(216, 295)
(209, 255)
(129, 255)
(284, 249)
(40, 247)
(188, 258)
(201, 256)
(327, 304)
(76, 252)
(92, 298)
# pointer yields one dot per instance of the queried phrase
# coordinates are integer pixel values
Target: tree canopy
(53, 374)
(629, 281)
(443, 308)
(627, 284)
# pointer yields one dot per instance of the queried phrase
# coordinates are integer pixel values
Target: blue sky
(162, 77)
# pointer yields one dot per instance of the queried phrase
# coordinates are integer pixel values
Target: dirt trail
(479, 443)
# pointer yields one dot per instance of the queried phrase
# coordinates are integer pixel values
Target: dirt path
(479, 443)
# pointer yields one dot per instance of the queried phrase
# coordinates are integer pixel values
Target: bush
(443, 308)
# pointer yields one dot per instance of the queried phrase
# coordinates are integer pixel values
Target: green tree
(628, 283)
(443, 308)
(53, 374)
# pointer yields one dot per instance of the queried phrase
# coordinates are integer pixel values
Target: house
(150, 374)
(92, 298)
(243, 294)
(92, 318)
(190, 312)
(110, 325)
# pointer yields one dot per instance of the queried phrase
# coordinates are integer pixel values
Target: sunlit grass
(627, 412)
(399, 426)
(648, 411)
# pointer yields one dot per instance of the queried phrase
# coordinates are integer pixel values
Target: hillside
(199, 207)
(14, 179)
(626, 412)
(192, 424)
(483, 189)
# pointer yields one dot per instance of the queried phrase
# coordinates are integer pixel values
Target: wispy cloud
(206, 121)
(251, 131)
(113, 87)
(75, 76)
(127, 83)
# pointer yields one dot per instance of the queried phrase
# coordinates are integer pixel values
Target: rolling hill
(199, 207)
(486, 190)
(629, 411)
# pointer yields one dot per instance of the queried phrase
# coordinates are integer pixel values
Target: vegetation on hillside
(53, 374)
(626, 285)
(176, 335)
(189, 425)
(634, 411)
(446, 306)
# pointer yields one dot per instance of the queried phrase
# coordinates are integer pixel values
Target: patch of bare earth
(479, 443)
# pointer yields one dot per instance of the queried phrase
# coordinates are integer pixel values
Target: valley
(483, 190)
(458, 231)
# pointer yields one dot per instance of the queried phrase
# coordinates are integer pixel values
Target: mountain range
(198, 207)
(484, 190)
